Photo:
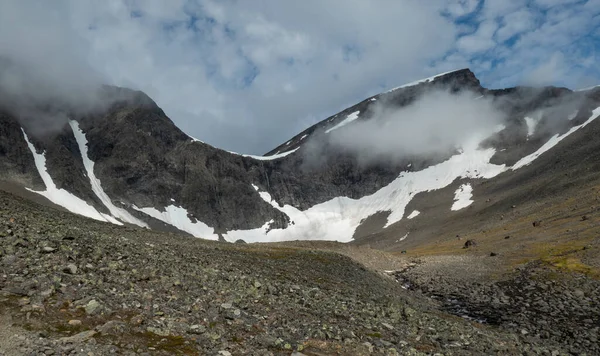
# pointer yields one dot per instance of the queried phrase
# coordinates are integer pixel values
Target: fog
(43, 68)
(436, 123)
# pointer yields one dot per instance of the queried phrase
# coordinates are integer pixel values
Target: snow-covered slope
(353, 116)
(62, 197)
(421, 81)
(115, 211)
(554, 140)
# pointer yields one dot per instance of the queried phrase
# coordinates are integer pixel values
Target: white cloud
(515, 23)
(458, 8)
(552, 3)
(481, 40)
(547, 72)
(246, 76)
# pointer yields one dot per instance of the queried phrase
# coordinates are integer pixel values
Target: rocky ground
(537, 301)
(69, 285)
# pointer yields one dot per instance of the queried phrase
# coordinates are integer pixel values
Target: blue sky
(247, 75)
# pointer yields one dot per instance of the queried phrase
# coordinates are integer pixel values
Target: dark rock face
(143, 159)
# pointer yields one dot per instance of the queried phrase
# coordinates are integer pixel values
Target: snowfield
(553, 141)
(462, 197)
(178, 217)
(116, 212)
(268, 158)
(353, 116)
(62, 197)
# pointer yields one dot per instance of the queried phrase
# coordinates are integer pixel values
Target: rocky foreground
(69, 285)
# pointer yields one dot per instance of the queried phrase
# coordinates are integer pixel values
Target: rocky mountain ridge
(164, 179)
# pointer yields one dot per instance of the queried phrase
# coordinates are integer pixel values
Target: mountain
(471, 216)
(125, 162)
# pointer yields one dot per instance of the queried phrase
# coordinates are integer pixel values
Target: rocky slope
(105, 289)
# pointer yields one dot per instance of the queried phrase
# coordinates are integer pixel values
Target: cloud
(437, 123)
(246, 76)
(41, 54)
(548, 72)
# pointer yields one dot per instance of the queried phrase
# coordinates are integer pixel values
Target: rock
(240, 241)
(70, 269)
(470, 243)
(112, 327)
(224, 353)
(584, 218)
(226, 306)
(387, 326)
(537, 223)
(74, 322)
(92, 307)
(408, 312)
(493, 254)
(158, 331)
(197, 329)
(21, 243)
(81, 337)
(48, 249)
(257, 284)
(507, 237)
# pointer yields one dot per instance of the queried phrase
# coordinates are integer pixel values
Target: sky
(248, 75)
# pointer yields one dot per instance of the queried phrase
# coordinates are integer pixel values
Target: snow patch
(303, 137)
(590, 88)
(268, 158)
(553, 141)
(345, 122)
(373, 99)
(62, 197)
(403, 237)
(414, 214)
(178, 217)
(531, 125)
(116, 212)
(420, 81)
(462, 197)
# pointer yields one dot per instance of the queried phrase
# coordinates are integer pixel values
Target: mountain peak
(460, 77)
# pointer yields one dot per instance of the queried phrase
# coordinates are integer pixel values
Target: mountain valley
(331, 243)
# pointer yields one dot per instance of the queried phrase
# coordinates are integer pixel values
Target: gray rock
(92, 307)
(70, 269)
(81, 337)
(197, 329)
